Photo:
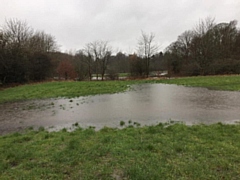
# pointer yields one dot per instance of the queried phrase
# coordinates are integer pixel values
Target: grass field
(76, 89)
(230, 83)
(165, 151)
(67, 89)
(157, 152)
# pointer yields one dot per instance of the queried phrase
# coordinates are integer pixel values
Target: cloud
(75, 23)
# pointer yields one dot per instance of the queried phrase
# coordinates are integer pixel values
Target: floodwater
(147, 104)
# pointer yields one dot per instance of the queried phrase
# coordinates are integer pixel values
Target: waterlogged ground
(147, 104)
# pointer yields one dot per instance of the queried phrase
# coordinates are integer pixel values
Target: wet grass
(76, 89)
(157, 152)
(229, 83)
(62, 89)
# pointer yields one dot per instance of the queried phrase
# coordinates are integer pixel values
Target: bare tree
(202, 46)
(209, 49)
(81, 66)
(17, 33)
(40, 41)
(21, 50)
(184, 42)
(86, 57)
(204, 25)
(147, 48)
(100, 52)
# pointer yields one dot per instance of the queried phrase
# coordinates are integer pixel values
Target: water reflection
(146, 104)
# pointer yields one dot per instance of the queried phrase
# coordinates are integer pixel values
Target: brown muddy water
(147, 104)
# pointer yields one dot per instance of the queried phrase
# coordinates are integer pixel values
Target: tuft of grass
(164, 151)
(41, 129)
(122, 123)
(76, 124)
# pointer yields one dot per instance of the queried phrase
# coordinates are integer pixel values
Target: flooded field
(147, 104)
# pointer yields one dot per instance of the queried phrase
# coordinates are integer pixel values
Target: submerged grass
(76, 89)
(156, 152)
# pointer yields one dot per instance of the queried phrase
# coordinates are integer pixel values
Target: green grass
(157, 152)
(76, 89)
(62, 89)
(229, 83)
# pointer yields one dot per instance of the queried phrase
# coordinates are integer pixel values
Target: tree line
(24, 52)
(208, 49)
(30, 55)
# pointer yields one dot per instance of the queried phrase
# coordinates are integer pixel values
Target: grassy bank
(75, 89)
(62, 89)
(229, 83)
(158, 152)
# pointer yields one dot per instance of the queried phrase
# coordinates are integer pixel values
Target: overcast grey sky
(76, 22)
